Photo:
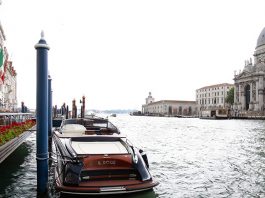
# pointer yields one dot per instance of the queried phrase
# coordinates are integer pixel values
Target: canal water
(190, 157)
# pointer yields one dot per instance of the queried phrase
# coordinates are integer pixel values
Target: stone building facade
(169, 107)
(213, 96)
(8, 80)
(250, 82)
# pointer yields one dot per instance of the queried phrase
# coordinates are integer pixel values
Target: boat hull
(106, 187)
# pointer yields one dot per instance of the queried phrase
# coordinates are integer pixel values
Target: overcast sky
(115, 52)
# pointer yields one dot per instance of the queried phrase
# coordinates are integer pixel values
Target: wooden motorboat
(93, 158)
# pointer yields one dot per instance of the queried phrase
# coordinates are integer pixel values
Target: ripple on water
(189, 157)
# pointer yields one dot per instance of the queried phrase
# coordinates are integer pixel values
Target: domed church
(250, 83)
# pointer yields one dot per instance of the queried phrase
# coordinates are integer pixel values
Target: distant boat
(90, 113)
(136, 113)
(113, 115)
(214, 114)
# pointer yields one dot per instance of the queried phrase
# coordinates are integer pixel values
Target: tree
(230, 96)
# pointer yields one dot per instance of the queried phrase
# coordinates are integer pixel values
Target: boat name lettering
(107, 162)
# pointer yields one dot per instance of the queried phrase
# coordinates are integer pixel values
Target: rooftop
(216, 85)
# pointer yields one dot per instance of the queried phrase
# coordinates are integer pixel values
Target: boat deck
(97, 147)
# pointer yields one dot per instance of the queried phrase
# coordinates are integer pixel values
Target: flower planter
(8, 148)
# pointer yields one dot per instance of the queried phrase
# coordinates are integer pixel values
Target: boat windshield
(95, 123)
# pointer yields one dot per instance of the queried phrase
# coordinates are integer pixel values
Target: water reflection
(10, 168)
(189, 157)
(202, 158)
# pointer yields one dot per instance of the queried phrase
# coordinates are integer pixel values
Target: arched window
(180, 110)
(247, 95)
(190, 110)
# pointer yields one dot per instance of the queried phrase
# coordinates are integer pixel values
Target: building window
(190, 110)
(180, 110)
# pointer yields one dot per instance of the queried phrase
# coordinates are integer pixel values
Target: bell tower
(149, 99)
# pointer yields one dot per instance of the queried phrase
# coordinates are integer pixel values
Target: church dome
(261, 39)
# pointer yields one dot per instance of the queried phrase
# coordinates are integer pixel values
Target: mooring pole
(55, 111)
(49, 106)
(67, 112)
(50, 117)
(42, 114)
(84, 105)
(73, 108)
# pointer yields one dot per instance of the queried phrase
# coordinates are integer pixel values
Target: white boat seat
(73, 130)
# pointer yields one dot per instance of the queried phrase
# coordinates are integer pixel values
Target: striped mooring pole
(42, 114)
